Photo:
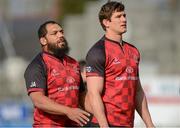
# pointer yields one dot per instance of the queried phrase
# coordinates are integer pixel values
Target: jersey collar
(113, 41)
(53, 56)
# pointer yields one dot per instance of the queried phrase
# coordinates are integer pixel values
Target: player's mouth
(61, 43)
(123, 25)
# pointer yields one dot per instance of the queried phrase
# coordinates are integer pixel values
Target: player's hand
(78, 115)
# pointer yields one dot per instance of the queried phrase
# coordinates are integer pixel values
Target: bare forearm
(87, 104)
(98, 109)
(50, 106)
(44, 103)
(142, 108)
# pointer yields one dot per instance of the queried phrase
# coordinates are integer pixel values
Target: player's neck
(114, 37)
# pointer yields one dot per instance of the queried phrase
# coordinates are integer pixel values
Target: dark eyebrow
(61, 30)
(55, 31)
(123, 14)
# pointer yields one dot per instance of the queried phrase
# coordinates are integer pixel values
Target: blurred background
(153, 27)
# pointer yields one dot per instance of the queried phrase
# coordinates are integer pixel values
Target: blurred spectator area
(22, 19)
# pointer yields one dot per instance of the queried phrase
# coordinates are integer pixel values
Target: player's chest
(60, 74)
(121, 59)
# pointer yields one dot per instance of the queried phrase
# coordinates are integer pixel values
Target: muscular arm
(44, 103)
(95, 87)
(142, 107)
(84, 102)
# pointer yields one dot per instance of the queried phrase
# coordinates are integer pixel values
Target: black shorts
(91, 124)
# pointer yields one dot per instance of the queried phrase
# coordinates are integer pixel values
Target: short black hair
(42, 31)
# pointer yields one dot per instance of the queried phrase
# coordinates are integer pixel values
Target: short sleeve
(35, 76)
(95, 60)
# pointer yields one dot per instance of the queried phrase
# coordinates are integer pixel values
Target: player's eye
(62, 31)
(54, 33)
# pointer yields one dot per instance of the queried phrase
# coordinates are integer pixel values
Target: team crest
(70, 80)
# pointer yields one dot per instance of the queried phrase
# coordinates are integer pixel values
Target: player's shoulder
(98, 47)
(132, 48)
(36, 63)
(130, 45)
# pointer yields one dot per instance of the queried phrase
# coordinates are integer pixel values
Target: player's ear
(106, 22)
(43, 41)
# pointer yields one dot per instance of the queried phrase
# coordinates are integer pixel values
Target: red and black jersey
(60, 80)
(118, 65)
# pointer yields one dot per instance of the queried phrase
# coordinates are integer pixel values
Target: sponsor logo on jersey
(33, 84)
(126, 78)
(68, 88)
(89, 69)
(129, 69)
(70, 80)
